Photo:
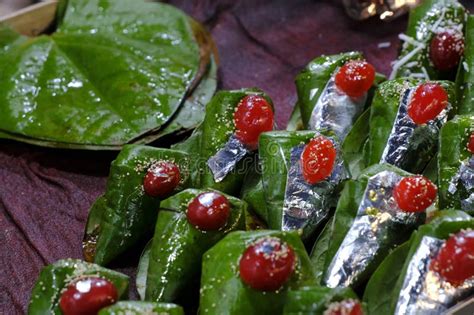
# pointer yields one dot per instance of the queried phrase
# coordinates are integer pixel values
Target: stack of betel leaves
(362, 206)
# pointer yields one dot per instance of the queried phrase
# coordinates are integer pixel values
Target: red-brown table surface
(45, 194)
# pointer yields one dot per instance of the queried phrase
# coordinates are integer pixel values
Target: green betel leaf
(125, 215)
(212, 135)
(311, 82)
(384, 287)
(315, 300)
(425, 21)
(254, 194)
(422, 144)
(453, 152)
(54, 278)
(142, 308)
(177, 247)
(222, 290)
(466, 72)
(112, 73)
(295, 123)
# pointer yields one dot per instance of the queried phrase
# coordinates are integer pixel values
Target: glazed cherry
(87, 296)
(317, 159)
(355, 78)
(415, 193)
(429, 99)
(446, 50)
(344, 307)
(470, 144)
(209, 211)
(253, 116)
(267, 264)
(455, 260)
(161, 179)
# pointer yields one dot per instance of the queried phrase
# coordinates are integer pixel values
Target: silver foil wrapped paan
(385, 9)
(396, 149)
(425, 292)
(306, 206)
(378, 219)
(335, 111)
(224, 161)
(465, 178)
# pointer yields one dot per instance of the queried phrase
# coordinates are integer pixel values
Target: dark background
(45, 194)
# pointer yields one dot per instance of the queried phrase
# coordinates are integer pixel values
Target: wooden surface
(32, 20)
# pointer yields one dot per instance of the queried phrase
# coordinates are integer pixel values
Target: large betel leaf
(125, 214)
(466, 72)
(425, 21)
(177, 247)
(453, 152)
(379, 298)
(142, 308)
(112, 72)
(315, 299)
(212, 135)
(54, 278)
(222, 290)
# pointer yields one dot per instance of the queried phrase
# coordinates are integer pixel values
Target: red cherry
(87, 296)
(267, 264)
(446, 50)
(252, 117)
(427, 102)
(455, 260)
(344, 307)
(209, 211)
(161, 179)
(415, 193)
(355, 78)
(317, 160)
(470, 144)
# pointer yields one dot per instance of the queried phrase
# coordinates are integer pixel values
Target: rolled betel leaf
(252, 272)
(375, 213)
(72, 286)
(139, 178)
(301, 172)
(430, 273)
(456, 164)
(319, 300)
(332, 92)
(228, 134)
(404, 123)
(434, 42)
(466, 72)
(189, 223)
(106, 74)
(142, 308)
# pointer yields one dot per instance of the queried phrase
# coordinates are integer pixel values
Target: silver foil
(305, 206)
(396, 150)
(335, 111)
(464, 177)
(224, 161)
(377, 213)
(385, 9)
(425, 292)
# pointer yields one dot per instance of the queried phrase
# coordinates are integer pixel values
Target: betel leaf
(430, 17)
(222, 290)
(421, 146)
(314, 299)
(177, 247)
(320, 248)
(453, 151)
(125, 214)
(466, 72)
(54, 278)
(142, 270)
(212, 135)
(311, 82)
(383, 301)
(354, 144)
(295, 122)
(253, 193)
(346, 211)
(112, 72)
(142, 308)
